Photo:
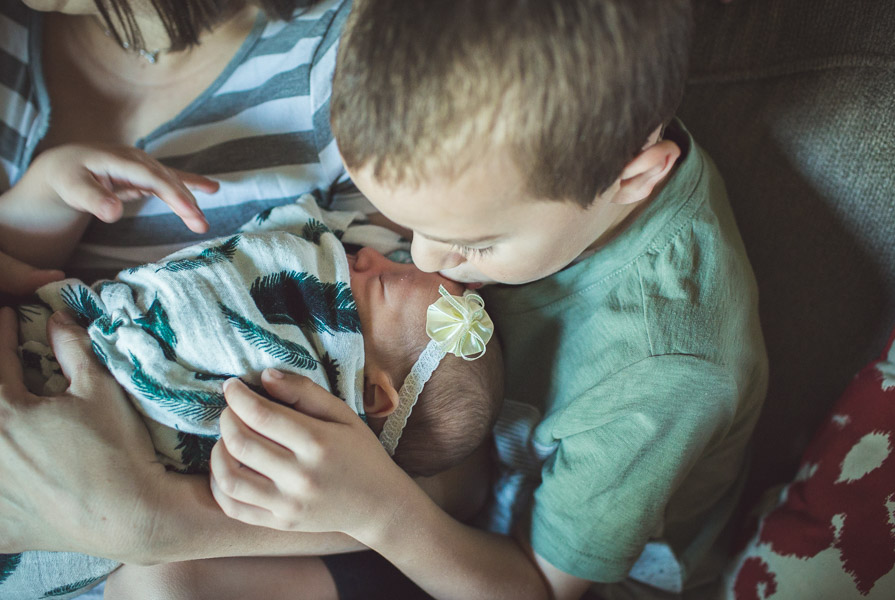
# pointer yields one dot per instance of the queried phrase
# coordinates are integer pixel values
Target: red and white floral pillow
(831, 534)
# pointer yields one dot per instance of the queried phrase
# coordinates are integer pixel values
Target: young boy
(534, 143)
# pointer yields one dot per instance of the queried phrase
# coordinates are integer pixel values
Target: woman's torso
(261, 127)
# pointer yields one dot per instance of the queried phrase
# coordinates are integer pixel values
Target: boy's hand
(97, 179)
(312, 465)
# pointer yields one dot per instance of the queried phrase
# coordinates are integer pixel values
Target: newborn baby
(282, 293)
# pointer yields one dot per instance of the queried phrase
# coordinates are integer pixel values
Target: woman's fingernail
(228, 383)
(274, 373)
(62, 318)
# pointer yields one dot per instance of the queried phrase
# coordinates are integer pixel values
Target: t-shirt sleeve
(623, 448)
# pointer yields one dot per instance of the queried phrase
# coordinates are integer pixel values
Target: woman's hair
(454, 414)
(185, 20)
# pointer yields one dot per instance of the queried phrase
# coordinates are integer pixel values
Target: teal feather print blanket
(275, 294)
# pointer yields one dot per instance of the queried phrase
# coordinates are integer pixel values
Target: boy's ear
(649, 168)
(380, 395)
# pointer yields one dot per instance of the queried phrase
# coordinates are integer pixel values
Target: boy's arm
(452, 560)
(191, 525)
(295, 480)
(310, 464)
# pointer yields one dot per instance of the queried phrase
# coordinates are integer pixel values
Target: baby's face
(392, 299)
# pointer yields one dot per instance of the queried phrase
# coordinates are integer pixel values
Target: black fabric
(368, 576)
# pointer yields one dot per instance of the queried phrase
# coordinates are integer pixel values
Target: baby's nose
(366, 259)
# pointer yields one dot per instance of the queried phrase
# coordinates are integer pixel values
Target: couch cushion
(794, 102)
(832, 531)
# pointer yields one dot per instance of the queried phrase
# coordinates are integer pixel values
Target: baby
(283, 294)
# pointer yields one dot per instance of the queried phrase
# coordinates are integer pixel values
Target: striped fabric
(261, 129)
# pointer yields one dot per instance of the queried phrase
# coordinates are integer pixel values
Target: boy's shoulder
(686, 233)
(651, 373)
(676, 285)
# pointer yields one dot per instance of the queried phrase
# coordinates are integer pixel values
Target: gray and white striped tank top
(261, 129)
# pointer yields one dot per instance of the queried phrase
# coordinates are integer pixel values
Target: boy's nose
(432, 256)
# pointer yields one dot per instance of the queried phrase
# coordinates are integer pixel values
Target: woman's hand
(44, 215)
(309, 465)
(97, 179)
(77, 470)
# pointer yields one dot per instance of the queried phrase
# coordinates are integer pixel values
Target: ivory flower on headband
(456, 325)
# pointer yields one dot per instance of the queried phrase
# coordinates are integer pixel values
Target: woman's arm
(79, 473)
(188, 524)
(97, 487)
(20, 279)
(192, 525)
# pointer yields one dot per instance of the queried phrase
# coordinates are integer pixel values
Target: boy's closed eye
(470, 252)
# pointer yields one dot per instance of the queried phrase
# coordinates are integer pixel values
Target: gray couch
(795, 101)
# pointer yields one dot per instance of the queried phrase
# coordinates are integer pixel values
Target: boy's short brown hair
(572, 89)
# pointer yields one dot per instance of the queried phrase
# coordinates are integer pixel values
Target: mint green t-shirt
(647, 368)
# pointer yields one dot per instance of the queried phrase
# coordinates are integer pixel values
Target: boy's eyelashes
(469, 252)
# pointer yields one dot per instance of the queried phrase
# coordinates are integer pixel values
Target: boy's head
(509, 135)
(459, 403)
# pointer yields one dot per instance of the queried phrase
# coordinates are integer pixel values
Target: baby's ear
(380, 395)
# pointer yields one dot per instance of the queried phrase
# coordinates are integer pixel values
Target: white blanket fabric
(275, 295)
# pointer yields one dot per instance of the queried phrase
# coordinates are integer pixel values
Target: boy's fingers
(289, 428)
(232, 477)
(305, 396)
(244, 494)
(252, 449)
(247, 513)
(10, 365)
(19, 279)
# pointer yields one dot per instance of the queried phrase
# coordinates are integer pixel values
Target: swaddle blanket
(276, 294)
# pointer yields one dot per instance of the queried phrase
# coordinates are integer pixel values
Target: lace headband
(457, 325)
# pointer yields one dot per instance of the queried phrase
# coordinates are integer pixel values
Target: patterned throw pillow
(830, 533)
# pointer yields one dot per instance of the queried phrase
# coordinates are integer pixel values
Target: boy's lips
(462, 275)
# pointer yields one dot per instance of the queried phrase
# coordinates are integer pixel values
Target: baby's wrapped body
(276, 294)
